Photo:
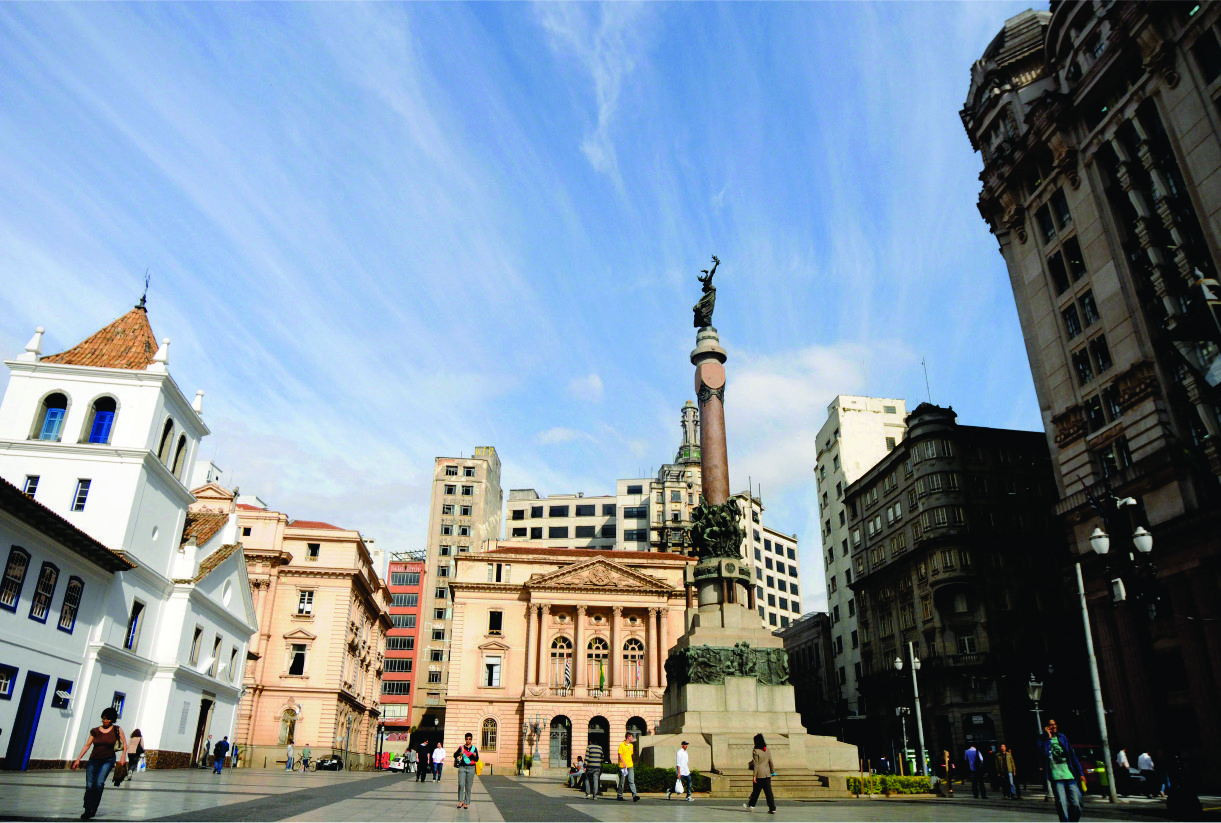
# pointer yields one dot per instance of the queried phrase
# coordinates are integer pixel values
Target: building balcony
(636, 694)
(958, 660)
(560, 691)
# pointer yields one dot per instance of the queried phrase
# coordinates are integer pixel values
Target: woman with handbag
(464, 761)
(762, 771)
(106, 740)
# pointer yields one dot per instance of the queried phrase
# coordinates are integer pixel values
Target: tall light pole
(922, 761)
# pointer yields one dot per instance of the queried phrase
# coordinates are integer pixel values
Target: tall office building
(405, 582)
(858, 433)
(465, 517)
(1100, 132)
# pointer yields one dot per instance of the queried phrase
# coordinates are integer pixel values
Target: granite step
(790, 784)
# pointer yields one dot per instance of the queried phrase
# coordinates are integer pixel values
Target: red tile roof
(314, 524)
(212, 561)
(14, 503)
(203, 526)
(250, 508)
(127, 343)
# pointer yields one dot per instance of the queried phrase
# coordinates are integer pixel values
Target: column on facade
(663, 617)
(650, 641)
(578, 651)
(531, 639)
(616, 641)
(544, 675)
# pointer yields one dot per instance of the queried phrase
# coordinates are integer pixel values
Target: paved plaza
(252, 794)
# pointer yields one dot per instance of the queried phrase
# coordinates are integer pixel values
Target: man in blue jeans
(1063, 770)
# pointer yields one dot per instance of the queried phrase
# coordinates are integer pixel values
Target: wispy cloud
(380, 233)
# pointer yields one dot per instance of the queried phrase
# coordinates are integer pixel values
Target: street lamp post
(1034, 690)
(921, 760)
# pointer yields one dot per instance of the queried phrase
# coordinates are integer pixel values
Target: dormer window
(51, 417)
(167, 442)
(101, 420)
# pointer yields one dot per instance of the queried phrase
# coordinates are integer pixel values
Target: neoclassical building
(322, 622)
(557, 646)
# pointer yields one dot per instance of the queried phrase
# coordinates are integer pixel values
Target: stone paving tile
(254, 794)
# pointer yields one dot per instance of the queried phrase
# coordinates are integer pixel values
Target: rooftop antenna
(144, 297)
(927, 390)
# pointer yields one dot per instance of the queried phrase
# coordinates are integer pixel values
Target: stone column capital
(546, 609)
(618, 611)
(581, 609)
(653, 610)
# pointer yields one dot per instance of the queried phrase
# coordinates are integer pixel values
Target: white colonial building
(101, 436)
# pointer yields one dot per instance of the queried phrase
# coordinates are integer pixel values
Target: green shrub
(890, 784)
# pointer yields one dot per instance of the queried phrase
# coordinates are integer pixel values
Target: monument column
(578, 655)
(544, 675)
(650, 645)
(531, 654)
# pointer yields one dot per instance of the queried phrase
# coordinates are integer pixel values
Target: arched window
(633, 664)
(50, 423)
(180, 456)
(561, 663)
(167, 441)
(14, 578)
(288, 726)
(72, 602)
(101, 420)
(487, 740)
(597, 658)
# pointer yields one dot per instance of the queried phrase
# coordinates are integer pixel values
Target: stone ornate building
(571, 641)
(1100, 132)
(322, 622)
(951, 539)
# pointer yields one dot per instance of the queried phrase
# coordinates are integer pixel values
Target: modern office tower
(1100, 133)
(562, 520)
(465, 517)
(858, 433)
(405, 582)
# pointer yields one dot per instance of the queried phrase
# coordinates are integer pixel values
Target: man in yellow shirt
(627, 771)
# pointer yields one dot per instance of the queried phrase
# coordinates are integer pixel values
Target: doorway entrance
(25, 724)
(561, 741)
(199, 753)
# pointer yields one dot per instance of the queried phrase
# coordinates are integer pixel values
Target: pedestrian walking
(1064, 776)
(1006, 772)
(947, 767)
(627, 767)
(438, 760)
(464, 761)
(682, 769)
(1153, 781)
(411, 761)
(135, 748)
(593, 770)
(1123, 772)
(203, 755)
(105, 739)
(975, 762)
(218, 755)
(289, 763)
(423, 760)
(762, 772)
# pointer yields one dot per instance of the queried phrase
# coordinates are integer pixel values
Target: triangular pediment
(299, 634)
(598, 573)
(494, 646)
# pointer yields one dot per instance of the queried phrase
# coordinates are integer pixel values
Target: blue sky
(382, 233)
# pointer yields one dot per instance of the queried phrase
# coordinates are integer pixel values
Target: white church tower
(101, 435)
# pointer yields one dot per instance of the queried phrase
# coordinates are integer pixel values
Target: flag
(601, 674)
(567, 672)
